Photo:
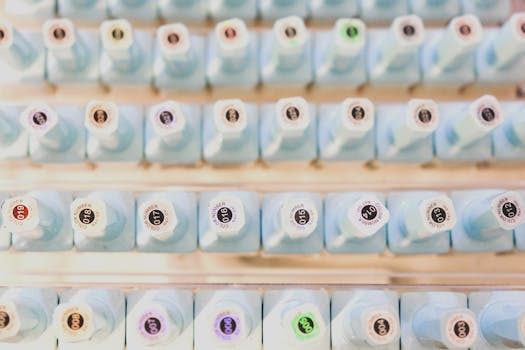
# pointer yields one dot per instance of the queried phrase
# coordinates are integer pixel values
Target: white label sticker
(9, 320)
(89, 215)
(508, 209)
(368, 215)
(382, 328)
(438, 214)
(290, 31)
(299, 217)
(59, 32)
(159, 218)
(21, 213)
(226, 215)
(76, 323)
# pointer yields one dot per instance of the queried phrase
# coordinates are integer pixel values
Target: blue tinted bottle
(179, 59)
(382, 10)
(224, 9)
(104, 221)
(56, 135)
(435, 10)
(173, 133)
(331, 9)
(167, 222)
(89, 10)
(183, 10)
(14, 139)
(38, 221)
(230, 133)
(142, 10)
(292, 223)
(509, 139)
(274, 9)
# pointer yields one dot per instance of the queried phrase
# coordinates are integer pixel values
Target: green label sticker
(305, 326)
(351, 32)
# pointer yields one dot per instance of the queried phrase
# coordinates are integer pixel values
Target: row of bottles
(408, 222)
(199, 10)
(284, 319)
(348, 55)
(292, 129)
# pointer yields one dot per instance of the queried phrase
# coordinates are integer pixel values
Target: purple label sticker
(227, 326)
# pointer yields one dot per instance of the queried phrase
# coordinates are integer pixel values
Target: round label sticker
(4, 34)
(59, 33)
(230, 33)
(75, 322)
(461, 330)
(102, 115)
(409, 30)
(227, 215)
(424, 116)
(99, 116)
(351, 32)
(118, 33)
(231, 115)
(509, 211)
(305, 326)
(369, 212)
(165, 118)
(299, 218)
(227, 326)
(158, 215)
(464, 29)
(382, 327)
(292, 113)
(357, 113)
(88, 215)
(290, 32)
(20, 212)
(488, 114)
(4, 319)
(172, 38)
(439, 214)
(302, 217)
(151, 325)
(39, 119)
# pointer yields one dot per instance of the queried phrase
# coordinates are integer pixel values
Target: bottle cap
(76, 322)
(173, 39)
(22, 216)
(6, 34)
(290, 33)
(10, 320)
(299, 217)
(409, 30)
(232, 37)
(154, 324)
(231, 323)
(487, 112)
(293, 116)
(350, 35)
(358, 114)
(459, 329)
(304, 323)
(422, 115)
(438, 215)
(226, 215)
(467, 30)
(90, 217)
(39, 118)
(102, 117)
(59, 33)
(167, 119)
(116, 34)
(380, 326)
(230, 118)
(367, 215)
(159, 218)
(508, 210)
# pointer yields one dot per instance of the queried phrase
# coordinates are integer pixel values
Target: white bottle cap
(299, 217)
(91, 216)
(459, 329)
(154, 324)
(168, 120)
(367, 215)
(293, 116)
(433, 215)
(421, 120)
(6, 34)
(173, 40)
(230, 118)
(232, 37)
(350, 36)
(483, 115)
(39, 118)
(226, 215)
(10, 320)
(158, 218)
(380, 326)
(358, 115)
(102, 117)
(77, 322)
(408, 31)
(230, 322)
(508, 209)
(59, 33)
(467, 30)
(303, 324)
(291, 34)
(116, 34)
(22, 216)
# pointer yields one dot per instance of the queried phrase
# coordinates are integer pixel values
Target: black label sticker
(461, 329)
(75, 321)
(232, 115)
(409, 30)
(293, 113)
(488, 114)
(225, 215)
(523, 28)
(156, 217)
(4, 319)
(59, 33)
(290, 32)
(358, 113)
(439, 215)
(369, 212)
(152, 325)
(352, 31)
(166, 117)
(305, 325)
(381, 327)
(228, 325)
(39, 118)
(509, 209)
(302, 217)
(2, 34)
(100, 116)
(86, 216)
(424, 116)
